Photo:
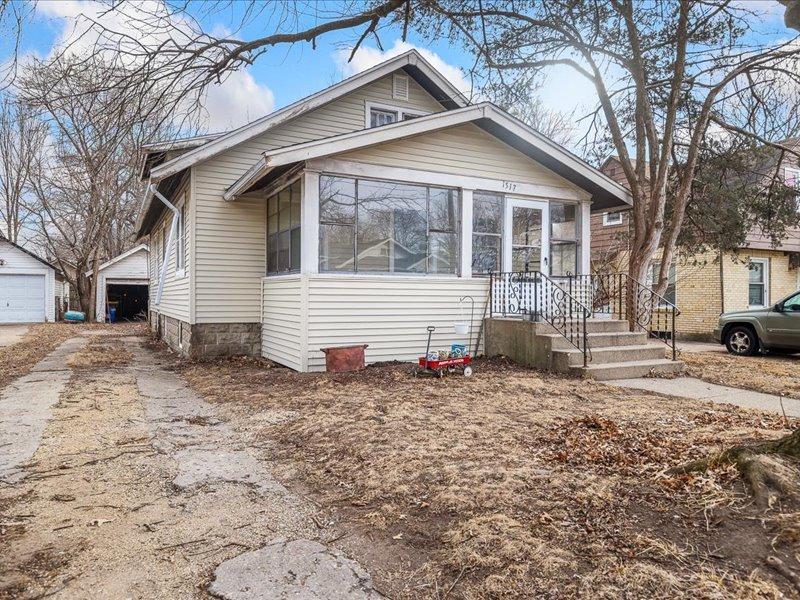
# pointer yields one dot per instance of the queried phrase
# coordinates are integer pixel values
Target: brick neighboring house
(705, 285)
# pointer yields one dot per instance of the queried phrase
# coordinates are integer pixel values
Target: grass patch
(770, 374)
(513, 483)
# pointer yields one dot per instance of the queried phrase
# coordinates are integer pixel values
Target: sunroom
(373, 236)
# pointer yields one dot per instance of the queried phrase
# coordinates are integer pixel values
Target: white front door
(22, 298)
(526, 243)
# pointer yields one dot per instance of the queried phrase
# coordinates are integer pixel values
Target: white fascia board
(116, 259)
(241, 135)
(352, 141)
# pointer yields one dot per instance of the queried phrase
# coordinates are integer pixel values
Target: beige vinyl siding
(283, 320)
(462, 150)
(391, 314)
(175, 297)
(230, 237)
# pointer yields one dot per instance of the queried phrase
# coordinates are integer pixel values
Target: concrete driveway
(11, 334)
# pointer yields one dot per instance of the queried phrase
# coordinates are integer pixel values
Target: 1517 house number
(510, 186)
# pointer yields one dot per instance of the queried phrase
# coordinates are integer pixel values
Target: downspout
(176, 216)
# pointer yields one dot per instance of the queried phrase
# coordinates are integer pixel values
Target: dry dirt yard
(515, 484)
(154, 476)
(771, 374)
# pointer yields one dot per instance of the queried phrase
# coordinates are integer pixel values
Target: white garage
(123, 285)
(27, 286)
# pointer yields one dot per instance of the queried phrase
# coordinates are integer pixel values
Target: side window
(487, 224)
(792, 304)
(180, 250)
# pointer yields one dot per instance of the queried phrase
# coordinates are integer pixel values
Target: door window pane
(526, 226)
(526, 259)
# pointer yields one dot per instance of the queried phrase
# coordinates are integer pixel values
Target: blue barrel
(112, 314)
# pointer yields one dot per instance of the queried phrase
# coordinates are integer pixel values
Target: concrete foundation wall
(518, 340)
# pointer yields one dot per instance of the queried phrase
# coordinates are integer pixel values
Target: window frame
(607, 222)
(502, 197)
(764, 283)
(795, 171)
(274, 193)
(457, 231)
(400, 111)
(652, 273)
(553, 241)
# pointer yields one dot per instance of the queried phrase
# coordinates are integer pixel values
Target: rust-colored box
(344, 358)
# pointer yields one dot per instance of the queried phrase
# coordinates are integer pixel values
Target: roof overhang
(412, 62)
(605, 192)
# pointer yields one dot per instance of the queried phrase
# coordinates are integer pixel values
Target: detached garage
(123, 286)
(27, 286)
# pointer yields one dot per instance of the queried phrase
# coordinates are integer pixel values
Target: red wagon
(439, 367)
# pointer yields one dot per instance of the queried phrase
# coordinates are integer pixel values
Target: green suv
(775, 327)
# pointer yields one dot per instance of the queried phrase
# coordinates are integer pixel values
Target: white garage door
(22, 298)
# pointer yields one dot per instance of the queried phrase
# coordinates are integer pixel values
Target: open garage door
(129, 301)
(22, 298)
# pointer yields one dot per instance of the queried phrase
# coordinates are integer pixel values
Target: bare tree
(87, 184)
(22, 136)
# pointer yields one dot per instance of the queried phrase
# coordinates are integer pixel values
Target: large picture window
(487, 228)
(563, 239)
(387, 227)
(283, 230)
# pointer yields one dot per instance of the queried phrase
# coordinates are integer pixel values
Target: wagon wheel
(467, 371)
(440, 373)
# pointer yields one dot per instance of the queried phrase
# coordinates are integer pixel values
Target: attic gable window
(383, 114)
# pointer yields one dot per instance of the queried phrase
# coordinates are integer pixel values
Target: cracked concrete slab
(298, 569)
(186, 427)
(26, 407)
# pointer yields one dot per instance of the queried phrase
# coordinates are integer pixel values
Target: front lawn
(513, 483)
(771, 374)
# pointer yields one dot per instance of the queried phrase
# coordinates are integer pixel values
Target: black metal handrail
(538, 296)
(621, 296)
(566, 302)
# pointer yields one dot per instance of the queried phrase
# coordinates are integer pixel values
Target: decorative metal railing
(541, 298)
(566, 303)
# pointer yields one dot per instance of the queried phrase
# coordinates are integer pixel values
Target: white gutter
(176, 215)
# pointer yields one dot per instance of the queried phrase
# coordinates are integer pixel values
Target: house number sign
(509, 186)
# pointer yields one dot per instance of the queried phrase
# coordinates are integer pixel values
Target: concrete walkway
(701, 347)
(11, 334)
(697, 389)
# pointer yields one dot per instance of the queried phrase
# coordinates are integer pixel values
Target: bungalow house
(706, 285)
(359, 215)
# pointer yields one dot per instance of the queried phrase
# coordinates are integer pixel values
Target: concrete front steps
(616, 352)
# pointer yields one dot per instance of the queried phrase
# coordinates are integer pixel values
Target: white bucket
(461, 328)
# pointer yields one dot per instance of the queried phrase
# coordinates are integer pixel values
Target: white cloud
(367, 57)
(236, 101)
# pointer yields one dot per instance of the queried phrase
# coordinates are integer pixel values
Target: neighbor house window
(757, 285)
(283, 230)
(563, 239)
(487, 228)
(612, 218)
(387, 227)
(382, 114)
(652, 278)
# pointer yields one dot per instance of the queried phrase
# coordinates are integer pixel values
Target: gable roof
(491, 118)
(29, 253)
(412, 61)
(117, 259)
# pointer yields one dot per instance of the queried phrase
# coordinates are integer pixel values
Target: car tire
(741, 341)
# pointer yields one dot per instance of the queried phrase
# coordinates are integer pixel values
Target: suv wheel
(742, 341)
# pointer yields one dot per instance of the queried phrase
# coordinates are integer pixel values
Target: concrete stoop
(616, 353)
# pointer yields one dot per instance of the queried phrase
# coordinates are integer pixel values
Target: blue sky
(288, 73)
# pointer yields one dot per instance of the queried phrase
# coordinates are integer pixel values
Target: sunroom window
(563, 239)
(487, 227)
(283, 230)
(387, 227)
